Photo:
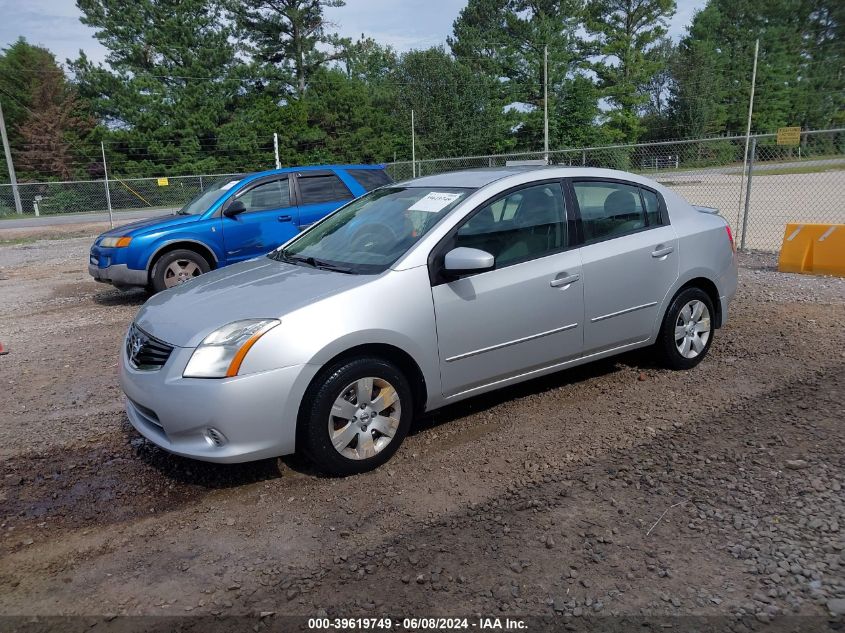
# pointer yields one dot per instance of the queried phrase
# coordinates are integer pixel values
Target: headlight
(115, 242)
(221, 353)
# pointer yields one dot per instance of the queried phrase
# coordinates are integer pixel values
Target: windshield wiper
(311, 261)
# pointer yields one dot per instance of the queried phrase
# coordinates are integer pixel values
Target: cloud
(53, 24)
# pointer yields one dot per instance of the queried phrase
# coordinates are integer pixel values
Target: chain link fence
(86, 196)
(801, 183)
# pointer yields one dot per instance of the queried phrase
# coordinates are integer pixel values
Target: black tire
(158, 281)
(313, 425)
(669, 354)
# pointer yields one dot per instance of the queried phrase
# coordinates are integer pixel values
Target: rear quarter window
(370, 179)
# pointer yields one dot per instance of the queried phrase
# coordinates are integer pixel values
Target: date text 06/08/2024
(415, 624)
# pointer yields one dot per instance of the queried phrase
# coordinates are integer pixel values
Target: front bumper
(119, 275)
(224, 420)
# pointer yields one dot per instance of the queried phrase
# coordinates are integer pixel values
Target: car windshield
(204, 199)
(367, 235)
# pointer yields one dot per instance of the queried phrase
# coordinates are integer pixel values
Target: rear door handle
(557, 282)
(284, 218)
(662, 252)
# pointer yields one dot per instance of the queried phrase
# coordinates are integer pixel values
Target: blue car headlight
(115, 242)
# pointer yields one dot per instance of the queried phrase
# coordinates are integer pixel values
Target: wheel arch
(200, 248)
(399, 357)
(709, 287)
(695, 279)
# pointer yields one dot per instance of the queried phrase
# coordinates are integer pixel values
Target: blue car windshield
(200, 203)
(367, 235)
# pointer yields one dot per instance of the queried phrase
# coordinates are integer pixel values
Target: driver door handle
(284, 218)
(557, 282)
(662, 252)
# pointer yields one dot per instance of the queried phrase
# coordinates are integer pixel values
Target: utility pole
(413, 149)
(276, 150)
(9, 164)
(546, 103)
(106, 177)
(748, 132)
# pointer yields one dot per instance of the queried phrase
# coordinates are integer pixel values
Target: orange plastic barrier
(817, 249)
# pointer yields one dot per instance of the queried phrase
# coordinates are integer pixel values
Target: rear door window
(608, 209)
(322, 188)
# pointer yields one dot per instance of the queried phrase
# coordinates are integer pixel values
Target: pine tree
(800, 78)
(627, 38)
(51, 136)
(172, 80)
(48, 125)
(290, 36)
(505, 39)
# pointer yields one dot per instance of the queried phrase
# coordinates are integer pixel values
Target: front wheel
(355, 415)
(687, 330)
(177, 267)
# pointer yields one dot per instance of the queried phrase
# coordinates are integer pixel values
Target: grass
(30, 239)
(809, 169)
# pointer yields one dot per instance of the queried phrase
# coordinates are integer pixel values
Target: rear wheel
(177, 267)
(687, 330)
(355, 415)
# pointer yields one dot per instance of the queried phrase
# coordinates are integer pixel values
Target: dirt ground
(615, 489)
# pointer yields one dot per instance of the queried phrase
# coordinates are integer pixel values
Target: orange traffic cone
(3, 349)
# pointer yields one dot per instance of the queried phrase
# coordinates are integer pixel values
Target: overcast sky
(404, 24)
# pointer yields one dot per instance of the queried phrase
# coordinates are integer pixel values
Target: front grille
(144, 351)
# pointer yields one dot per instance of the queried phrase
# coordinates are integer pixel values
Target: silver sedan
(418, 295)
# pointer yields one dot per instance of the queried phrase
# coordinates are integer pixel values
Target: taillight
(730, 238)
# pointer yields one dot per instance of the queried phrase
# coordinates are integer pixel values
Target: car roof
(287, 170)
(478, 178)
(475, 178)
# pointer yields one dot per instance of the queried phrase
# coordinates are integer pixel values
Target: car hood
(140, 227)
(256, 289)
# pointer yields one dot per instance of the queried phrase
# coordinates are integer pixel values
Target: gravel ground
(615, 489)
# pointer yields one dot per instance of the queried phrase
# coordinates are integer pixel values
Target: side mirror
(234, 209)
(463, 261)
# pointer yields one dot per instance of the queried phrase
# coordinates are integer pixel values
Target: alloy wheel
(180, 271)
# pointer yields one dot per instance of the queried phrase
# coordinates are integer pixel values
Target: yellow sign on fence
(163, 182)
(789, 136)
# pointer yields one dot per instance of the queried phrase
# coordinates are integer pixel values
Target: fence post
(583, 158)
(201, 189)
(12, 179)
(413, 149)
(752, 154)
(106, 180)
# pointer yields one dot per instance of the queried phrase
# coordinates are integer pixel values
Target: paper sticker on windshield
(434, 201)
(229, 185)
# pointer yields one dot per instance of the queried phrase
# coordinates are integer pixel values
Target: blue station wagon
(237, 218)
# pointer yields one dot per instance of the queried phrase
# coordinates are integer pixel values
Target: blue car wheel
(177, 267)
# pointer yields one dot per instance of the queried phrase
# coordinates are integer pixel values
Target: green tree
(800, 78)
(627, 36)
(290, 36)
(172, 80)
(455, 109)
(504, 40)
